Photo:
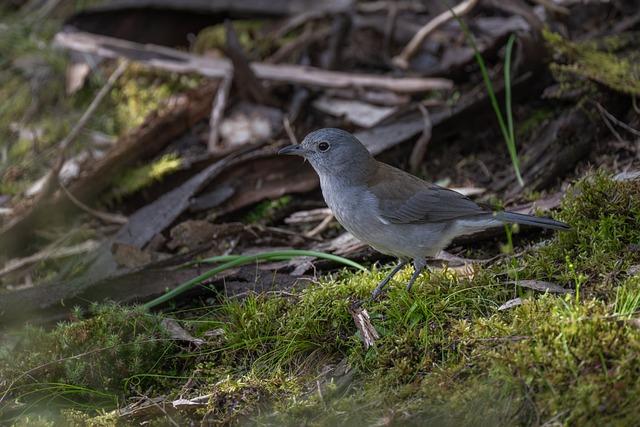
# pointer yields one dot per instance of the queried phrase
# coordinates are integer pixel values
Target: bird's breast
(357, 210)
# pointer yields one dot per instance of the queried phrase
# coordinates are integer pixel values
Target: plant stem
(507, 130)
(230, 261)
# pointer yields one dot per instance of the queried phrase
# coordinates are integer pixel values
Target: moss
(137, 94)
(88, 362)
(135, 179)
(533, 122)
(264, 211)
(590, 60)
(248, 31)
(600, 247)
(446, 354)
(572, 357)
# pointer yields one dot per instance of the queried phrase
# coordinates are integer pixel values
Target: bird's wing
(404, 199)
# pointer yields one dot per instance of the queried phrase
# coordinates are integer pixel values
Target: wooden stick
(182, 62)
(402, 61)
(104, 90)
(52, 177)
(420, 147)
(217, 111)
(107, 217)
(324, 224)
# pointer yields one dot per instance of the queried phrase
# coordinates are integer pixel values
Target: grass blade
(230, 261)
(505, 128)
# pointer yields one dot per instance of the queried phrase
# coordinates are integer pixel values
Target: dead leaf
(542, 286)
(76, 75)
(359, 113)
(510, 304)
(129, 256)
(191, 234)
(178, 333)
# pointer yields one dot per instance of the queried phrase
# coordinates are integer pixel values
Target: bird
(394, 212)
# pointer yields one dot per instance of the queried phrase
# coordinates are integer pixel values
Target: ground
(446, 355)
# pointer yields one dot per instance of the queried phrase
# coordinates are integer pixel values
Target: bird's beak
(296, 150)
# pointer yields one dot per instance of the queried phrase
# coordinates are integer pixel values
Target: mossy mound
(600, 60)
(446, 355)
(91, 363)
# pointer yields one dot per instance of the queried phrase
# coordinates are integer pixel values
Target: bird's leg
(418, 265)
(386, 280)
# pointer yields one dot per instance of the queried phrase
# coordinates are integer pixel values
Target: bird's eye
(323, 146)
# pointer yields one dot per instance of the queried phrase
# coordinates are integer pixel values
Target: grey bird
(393, 211)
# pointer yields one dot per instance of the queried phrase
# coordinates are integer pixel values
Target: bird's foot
(375, 294)
(418, 268)
(378, 290)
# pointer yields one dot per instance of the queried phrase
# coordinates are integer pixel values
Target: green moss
(135, 179)
(533, 122)
(248, 31)
(446, 354)
(138, 93)
(32, 77)
(600, 247)
(572, 357)
(264, 211)
(590, 60)
(87, 362)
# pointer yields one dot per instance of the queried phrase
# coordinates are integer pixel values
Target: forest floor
(163, 156)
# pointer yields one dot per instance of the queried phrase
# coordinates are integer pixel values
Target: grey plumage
(391, 210)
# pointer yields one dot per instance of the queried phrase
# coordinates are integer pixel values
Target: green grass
(231, 261)
(627, 300)
(446, 354)
(505, 121)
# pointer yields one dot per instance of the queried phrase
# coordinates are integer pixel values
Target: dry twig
(104, 91)
(52, 177)
(181, 62)
(420, 147)
(368, 333)
(287, 128)
(47, 254)
(103, 216)
(320, 227)
(219, 104)
(402, 60)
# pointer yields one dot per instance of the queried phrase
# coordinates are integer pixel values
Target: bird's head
(333, 152)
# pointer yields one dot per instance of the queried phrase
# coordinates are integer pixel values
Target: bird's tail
(531, 220)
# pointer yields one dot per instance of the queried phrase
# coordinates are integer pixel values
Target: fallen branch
(181, 62)
(402, 60)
